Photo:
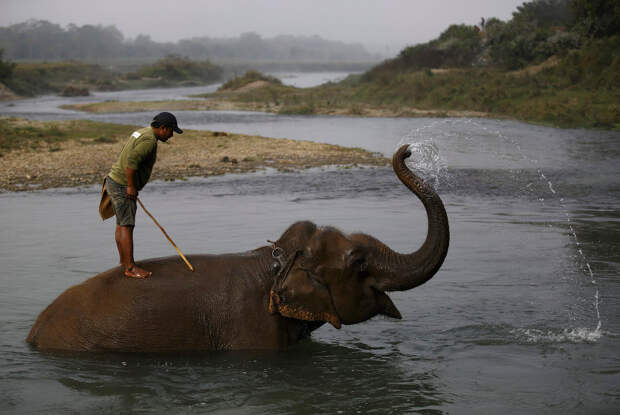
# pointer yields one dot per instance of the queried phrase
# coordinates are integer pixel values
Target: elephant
(268, 298)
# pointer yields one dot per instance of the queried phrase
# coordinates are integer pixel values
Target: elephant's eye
(313, 277)
(306, 264)
(361, 264)
(356, 260)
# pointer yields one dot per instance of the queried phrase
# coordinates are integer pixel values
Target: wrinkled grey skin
(247, 300)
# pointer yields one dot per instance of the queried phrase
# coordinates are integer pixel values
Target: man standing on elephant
(128, 175)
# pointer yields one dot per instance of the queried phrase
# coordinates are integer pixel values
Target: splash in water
(590, 336)
(538, 336)
(425, 158)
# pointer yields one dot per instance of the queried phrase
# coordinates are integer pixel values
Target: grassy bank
(578, 90)
(555, 63)
(39, 155)
(578, 87)
(581, 89)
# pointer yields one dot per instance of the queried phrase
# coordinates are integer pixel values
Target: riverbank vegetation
(39, 155)
(30, 79)
(556, 62)
(42, 57)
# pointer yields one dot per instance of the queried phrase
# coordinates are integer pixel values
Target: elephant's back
(59, 325)
(112, 312)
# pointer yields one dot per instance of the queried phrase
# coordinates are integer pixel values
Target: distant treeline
(43, 40)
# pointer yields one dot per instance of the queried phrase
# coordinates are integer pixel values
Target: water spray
(425, 158)
(573, 233)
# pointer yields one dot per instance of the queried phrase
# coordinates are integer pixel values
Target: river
(523, 317)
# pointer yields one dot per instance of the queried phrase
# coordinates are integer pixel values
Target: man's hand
(132, 192)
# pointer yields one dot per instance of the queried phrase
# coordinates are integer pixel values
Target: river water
(523, 317)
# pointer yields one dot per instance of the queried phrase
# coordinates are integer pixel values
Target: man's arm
(132, 190)
(134, 158)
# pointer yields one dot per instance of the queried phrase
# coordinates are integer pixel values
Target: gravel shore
(194, 153)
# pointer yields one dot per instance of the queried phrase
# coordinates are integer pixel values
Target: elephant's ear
(304, 298)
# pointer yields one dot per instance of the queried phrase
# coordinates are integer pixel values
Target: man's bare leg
(119, 246)
(124, 243)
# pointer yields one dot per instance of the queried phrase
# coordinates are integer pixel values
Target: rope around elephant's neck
(284, 263)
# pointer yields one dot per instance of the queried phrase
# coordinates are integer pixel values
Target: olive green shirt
(139, 153)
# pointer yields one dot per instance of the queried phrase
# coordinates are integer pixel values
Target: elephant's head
(342, 279)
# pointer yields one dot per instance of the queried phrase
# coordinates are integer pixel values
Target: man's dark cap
(166, 119)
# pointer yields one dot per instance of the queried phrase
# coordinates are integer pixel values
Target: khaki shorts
(124, 208)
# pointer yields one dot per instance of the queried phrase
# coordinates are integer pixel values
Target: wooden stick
(162, 229)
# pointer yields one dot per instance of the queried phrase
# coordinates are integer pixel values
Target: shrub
(6, 68)
(38, 78)
(176, 68)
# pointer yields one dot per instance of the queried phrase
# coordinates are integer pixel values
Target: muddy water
(522, 318)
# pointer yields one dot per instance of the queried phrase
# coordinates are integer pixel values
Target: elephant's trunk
(395, 271)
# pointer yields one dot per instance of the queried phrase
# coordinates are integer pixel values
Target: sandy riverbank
(86, 161)
(361, 110)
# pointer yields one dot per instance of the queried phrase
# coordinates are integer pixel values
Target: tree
(544, 13)
(596, 18)
(461, 45)
(6, 68)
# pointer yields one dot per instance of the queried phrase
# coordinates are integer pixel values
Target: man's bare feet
(135, 272)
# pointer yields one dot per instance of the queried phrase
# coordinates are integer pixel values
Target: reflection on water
(509, 324)
(309, 378)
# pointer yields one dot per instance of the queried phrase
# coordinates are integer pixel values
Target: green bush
(6, 68)
(176, 68)
(516, 44)
(457, 46)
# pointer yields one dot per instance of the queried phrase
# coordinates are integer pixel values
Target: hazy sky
(382, 25)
